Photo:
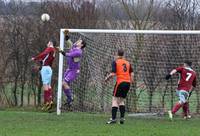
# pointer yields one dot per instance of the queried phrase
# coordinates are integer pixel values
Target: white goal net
(152, 54)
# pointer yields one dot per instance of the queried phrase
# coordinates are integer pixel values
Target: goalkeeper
(185, 85)
(73, 58)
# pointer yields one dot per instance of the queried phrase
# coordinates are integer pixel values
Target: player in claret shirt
(73, 58)
(186, 83)
(46, 59)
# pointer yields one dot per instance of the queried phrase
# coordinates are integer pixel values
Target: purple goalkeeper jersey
(73, 58)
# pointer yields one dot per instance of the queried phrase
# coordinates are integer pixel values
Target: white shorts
(46, 74)
(183, 96)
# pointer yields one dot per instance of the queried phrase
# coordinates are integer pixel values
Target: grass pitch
(18, 123)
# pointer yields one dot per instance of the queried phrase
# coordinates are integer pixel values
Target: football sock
(122, 110)
(68, 94)
(186, 109)
(114, 112)
(45, 96)
(50, 95)
(176, 107)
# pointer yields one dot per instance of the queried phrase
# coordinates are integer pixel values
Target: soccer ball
(45, 17)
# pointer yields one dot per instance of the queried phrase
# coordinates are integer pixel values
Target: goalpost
(145, 49)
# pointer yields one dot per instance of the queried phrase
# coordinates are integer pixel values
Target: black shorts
(121, 89)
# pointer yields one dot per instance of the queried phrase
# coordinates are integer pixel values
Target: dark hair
(120, 52)
(53, 40)
(187, 62)
(84, 44)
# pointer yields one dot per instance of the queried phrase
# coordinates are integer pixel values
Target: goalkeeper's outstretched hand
(66, 32)
(167, 77)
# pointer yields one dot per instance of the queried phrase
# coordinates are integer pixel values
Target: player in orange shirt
(123, 71)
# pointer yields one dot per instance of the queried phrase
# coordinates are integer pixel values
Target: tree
(140, 14)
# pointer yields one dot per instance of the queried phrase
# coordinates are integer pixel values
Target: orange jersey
(123, 70)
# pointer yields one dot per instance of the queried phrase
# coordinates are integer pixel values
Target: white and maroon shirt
(187, 78)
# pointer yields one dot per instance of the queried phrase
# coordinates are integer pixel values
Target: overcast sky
(37, 0)
(22, 0)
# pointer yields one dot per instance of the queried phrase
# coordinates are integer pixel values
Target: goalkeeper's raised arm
(70, 45)
(68, 42)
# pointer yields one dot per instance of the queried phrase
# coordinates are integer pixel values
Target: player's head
(81, 44)
(120, 53)
(187, 63)
(52, 42)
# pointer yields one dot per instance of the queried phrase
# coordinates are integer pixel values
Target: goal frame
(62, 36)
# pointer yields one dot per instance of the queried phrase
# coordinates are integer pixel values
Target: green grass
(20, 123)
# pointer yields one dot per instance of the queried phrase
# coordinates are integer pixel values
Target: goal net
(152, 54)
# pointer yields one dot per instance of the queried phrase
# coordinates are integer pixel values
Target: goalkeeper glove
(66, 37)
(66, 34)
(168, 77)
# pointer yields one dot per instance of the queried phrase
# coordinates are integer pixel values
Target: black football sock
(122, 111)
(114, 112)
